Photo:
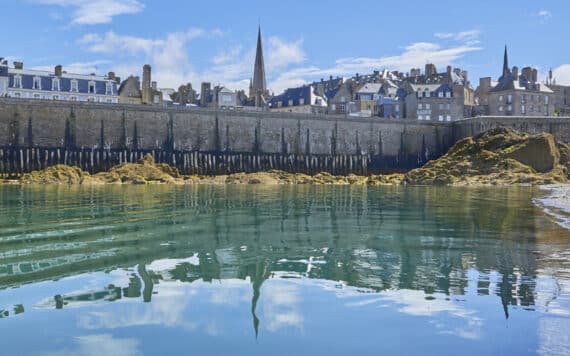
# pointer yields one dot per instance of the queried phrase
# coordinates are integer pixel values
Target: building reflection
(373, 240)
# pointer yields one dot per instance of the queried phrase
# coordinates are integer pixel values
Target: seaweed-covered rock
(59, 174)
(498, 156)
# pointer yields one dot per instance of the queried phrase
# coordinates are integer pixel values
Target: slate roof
(46, 79)
(295, 94)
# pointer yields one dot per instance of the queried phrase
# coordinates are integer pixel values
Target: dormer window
(55, 84)
(91, 87)
(74, 86)
(302, 101)
(440, 94)
(109, 89)
(18, 82)
(290, 102)
(448, 94)
(37, 83)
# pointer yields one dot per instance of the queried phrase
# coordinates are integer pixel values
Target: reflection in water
(422, 249)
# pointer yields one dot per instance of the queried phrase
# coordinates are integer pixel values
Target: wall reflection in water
(421, 248)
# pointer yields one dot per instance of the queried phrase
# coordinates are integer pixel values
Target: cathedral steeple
(506, 69)
(259, 85)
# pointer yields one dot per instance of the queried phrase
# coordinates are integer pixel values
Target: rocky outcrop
(499, 156)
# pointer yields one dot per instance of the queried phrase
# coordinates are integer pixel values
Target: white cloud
(471, 35)
(103, 344)
(168, 55)
(79, 67)
(562, 74)
(415, 55)
(281, 54)
(544, 15)
(93, 12)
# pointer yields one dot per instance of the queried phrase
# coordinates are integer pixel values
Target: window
(500, 98)
(428, 117)
(500, 108)
(74, 86)
(420, 106)
(302, 101)
(419, 94)
(55, 84)
(18, 82)
(428, 106)
(531, 108)
(440, 106)
(342, 108)
(109, 89)
(510, 108)
(509, 99)
(448, 118)
(546, 99)
(279, 104)
(448, 106)
(440, 117)
(523, 109)
(91, 87)
(448, 94)
(420, 117)
(290, 102)
(440, 94)
(37, 83)
(523, 100)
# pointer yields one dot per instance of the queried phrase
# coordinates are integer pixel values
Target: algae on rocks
(499, 156)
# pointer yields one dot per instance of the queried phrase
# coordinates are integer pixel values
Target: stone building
(515, 93)
(561, 94)
(18, 82)
(132, 92)
(434, 96)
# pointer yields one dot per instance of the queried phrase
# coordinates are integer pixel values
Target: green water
(280, 271)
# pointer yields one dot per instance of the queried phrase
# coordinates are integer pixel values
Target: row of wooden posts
(15, 161)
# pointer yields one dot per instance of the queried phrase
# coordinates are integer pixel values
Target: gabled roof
(370, 88)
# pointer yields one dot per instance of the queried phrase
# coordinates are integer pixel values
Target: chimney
(154, 86)
(111, 76)
(465, 75)
(534, 75)
(57, 70)
(485, 82)
(516, 72)
(527, 73)
(18, 65)
(118, 80)
(320, 89)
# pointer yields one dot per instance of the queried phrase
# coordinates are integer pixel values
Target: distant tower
(259, 85)
(146, 85)
(506, 70)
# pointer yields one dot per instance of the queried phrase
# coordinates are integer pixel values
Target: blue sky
(194, 41)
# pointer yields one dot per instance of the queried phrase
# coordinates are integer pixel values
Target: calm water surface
(281, 271)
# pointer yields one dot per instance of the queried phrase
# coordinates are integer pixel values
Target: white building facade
(18, 82)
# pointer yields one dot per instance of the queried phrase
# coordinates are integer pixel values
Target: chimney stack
(516, 72)
(18, 65)
(534, 75)
(111, 75)
(154, 86)
(57, 70)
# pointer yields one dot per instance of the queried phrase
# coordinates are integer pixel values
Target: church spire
(259, 83)
(506, 69)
